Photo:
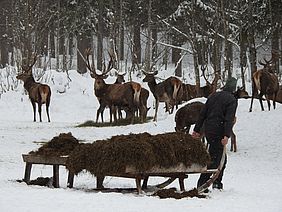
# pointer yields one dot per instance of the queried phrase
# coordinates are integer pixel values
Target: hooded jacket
(218, 114)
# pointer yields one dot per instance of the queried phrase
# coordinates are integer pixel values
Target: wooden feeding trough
(137, 156)
(54, 161)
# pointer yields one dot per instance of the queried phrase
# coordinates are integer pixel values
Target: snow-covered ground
(252, 180)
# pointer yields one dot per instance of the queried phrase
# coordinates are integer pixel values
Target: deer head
(149, 76)
(99, 78)
(27, 70)
(269, 65)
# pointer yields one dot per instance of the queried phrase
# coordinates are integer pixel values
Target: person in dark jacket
(217, 117)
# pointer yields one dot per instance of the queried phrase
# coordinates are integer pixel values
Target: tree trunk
(3, 39)
(178, 63)
(243, 58)
(136, 58)
(154, 42)
(82, 43)
(100, 36)
(252, 50)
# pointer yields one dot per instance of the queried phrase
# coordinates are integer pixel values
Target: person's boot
(217, 185)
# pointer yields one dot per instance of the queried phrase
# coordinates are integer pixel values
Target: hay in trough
(60, 145)
(141, 151)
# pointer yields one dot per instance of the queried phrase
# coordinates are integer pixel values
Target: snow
(252, 180)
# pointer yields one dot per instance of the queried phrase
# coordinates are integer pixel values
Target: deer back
(188, 115)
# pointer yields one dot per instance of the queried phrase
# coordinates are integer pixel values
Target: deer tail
(176, 88)
(137, 90)
(257, 77)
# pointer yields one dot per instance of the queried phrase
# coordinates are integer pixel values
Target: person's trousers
(215, 151)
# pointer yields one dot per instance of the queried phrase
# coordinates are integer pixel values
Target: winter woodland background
(175, 37)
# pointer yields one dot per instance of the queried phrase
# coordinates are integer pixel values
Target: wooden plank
(39, 159)
(56, 176)
(27, 172)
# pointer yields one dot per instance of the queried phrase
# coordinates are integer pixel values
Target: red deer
(265, 82)
(123, 95)
(187, 116)
(119, 80)
(37, 92)
(142, 109)
(166, 91)
(190, 91)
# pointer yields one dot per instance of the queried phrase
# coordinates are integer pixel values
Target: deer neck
(101, 90)
(152, 85)
(28, 83)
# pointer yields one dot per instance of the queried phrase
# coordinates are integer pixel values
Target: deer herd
(132, 98)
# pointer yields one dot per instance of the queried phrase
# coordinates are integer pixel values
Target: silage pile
(60, 145)
(142, 151)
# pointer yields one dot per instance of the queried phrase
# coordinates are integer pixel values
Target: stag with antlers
(37, 92)
(265, 82)
(111, 95)
(167, 91)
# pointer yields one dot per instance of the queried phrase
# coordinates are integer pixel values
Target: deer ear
(155, 72)
(105, 76)
(29, 71)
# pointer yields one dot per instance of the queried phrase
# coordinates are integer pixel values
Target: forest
(143, 34)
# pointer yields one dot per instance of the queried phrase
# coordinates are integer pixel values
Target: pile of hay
(172, 193)
(60, 145)
(142, 151)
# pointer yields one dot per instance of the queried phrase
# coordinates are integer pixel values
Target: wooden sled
(179, 172)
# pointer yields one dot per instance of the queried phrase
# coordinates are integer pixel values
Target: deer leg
(111, 113)
(268, 103)
(39, 111)
(233, 142)
(115, 114)
(156, 110)
(100, 111)
(34, 110)
(47, 110)
(274, 100)
(254, 92)
(260, 101)
(119, 113)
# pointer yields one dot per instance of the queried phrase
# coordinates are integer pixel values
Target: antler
(91, 68)
(27, 67)
(267, 62)
(203, 69)
(34, 60)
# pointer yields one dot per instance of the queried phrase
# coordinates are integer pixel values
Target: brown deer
(166, 91)
(190, 91)
(37, 92)
(100, 110)
(122, 95)
(187, 116)
(265, 83)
